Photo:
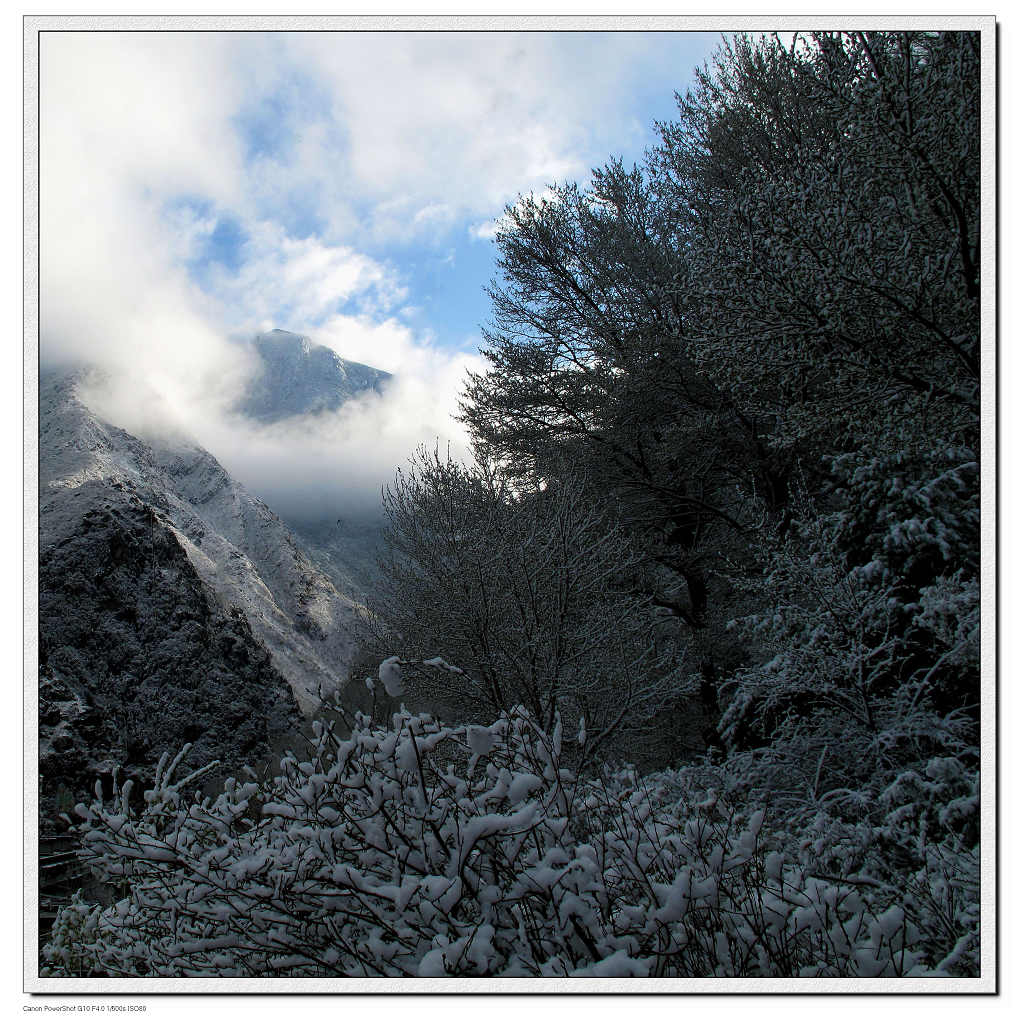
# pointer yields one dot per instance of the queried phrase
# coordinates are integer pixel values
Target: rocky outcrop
(136, 657)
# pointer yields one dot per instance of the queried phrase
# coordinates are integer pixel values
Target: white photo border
(987, 983)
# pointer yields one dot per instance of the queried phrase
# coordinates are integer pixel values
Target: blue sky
(445, 266)
(198, 187)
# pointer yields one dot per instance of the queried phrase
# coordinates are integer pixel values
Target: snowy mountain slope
(242, 552)
(300, 377)
(345, 550)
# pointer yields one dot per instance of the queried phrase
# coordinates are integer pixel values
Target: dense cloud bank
(308, 468)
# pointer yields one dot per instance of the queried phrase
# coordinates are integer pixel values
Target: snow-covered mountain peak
(300, 377)
(283, 341)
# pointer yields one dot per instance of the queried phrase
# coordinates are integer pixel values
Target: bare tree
(533, 593)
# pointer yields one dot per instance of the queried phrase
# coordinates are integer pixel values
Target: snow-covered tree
(831, 191)
(790, 279)
(793, 273)
(868, 636)
(591, 364)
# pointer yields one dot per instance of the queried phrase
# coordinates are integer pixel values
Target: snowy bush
(859, 724)
(414, 849)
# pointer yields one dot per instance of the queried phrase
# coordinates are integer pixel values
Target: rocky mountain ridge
(301, 378)
(174, 605)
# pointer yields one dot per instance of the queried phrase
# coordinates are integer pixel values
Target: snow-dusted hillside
(175, 606)
(345, 550)
(241, 550)
(137, 656)
(300, 377)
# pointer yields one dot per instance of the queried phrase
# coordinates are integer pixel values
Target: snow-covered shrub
(415, 849)
(73, 939)
(859, 725)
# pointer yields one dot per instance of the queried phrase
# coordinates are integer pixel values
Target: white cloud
(315, 467)
(152, 107)
(298, 283)
(461, 122)
(487, 229)
(323, 149)
(434, 213)
(125, 124)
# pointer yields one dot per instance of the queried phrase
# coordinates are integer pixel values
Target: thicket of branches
(727, 472)
(536, 592)
(412, 849)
